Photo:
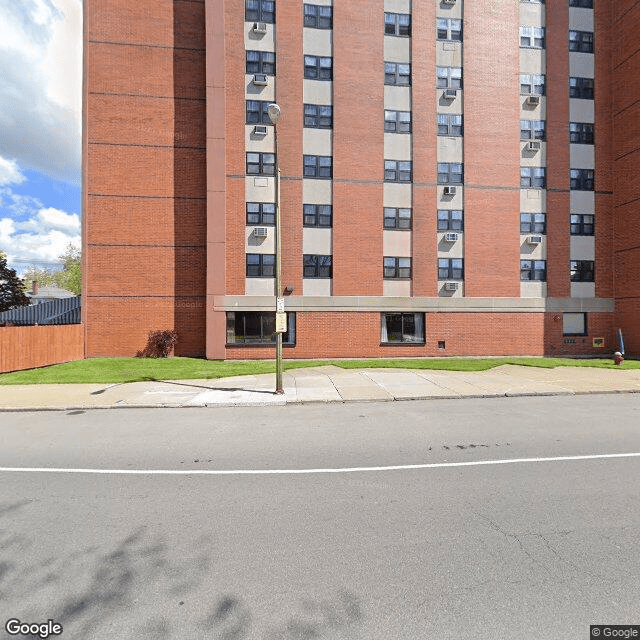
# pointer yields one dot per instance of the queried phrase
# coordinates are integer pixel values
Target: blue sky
(40, 129)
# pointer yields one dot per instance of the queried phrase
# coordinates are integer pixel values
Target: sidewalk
(324, 384)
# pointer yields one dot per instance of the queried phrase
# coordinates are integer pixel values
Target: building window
(397, 218)
(261, 265)
(533, 270)
(581, 41)
(581, 179)
(581, 88)
(317, 266)
(397, 121)
(317, 215)
(582, 224)
(584, 4)
(532, 130)
(581, 270)
(318, 167)
(260, 11)
(533, 223)
(318, 116)
(258, 327)
(402, 327)
(396, 268)
(257, 112)
(318, 17)
(261, 213)
(397, 24)
(450, 220)
(397, 171)
(450, 173)
(449, 29)
(397, 73)
(449, 124)
(532, 37)
(574, 324)
(581, 132)
(450, 269)
(261, 164)
(261, 62)
(532, 84)
(533, 1)
(318, 68)
(449, 77)
(533, 177)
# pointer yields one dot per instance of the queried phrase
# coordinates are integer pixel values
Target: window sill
(403, 344)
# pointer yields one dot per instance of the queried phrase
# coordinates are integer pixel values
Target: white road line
(262, 472)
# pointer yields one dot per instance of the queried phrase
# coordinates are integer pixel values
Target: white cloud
(40, 92)
(10, 172)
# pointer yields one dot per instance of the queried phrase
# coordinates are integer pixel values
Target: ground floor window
(402, 327)
(574, 324)
(258, 327)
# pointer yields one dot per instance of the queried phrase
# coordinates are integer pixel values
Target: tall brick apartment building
(458, 176)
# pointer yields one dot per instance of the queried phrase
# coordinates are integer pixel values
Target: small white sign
(281, 322)
(279, 305)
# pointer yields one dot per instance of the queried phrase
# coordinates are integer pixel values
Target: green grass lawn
(114, 370)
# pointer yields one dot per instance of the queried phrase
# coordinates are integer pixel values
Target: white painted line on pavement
(260, 472)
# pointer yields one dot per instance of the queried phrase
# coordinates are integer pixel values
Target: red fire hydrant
(618, 358)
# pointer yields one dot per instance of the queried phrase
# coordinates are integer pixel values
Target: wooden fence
(38, 346)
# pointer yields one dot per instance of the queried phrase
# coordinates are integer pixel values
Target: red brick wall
(358, 153)
(491, 148)
(30, 347)
(625, 106)
(145, 180)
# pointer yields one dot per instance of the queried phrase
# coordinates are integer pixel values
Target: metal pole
(279, 389)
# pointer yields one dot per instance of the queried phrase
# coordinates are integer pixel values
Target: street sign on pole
(281, 322)
(279, 305)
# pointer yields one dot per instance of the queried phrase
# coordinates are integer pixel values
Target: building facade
(458, 177)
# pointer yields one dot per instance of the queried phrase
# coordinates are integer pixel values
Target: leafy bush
(159, 344)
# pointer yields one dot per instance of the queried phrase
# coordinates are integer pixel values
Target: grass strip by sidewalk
(120, 370)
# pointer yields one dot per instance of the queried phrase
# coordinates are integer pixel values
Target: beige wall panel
(580, 19)
(316, 286)
(258, 42)
(316, 141)
(259, 286)
(253, 244)
(317, 42)
(450, 149)
(582, 202)
(397, 146)
(396, 243)
(317, 92)
(582, 156)
(316, 191)
(533, 200)
(260, 189)
(397, 49)
(581, 110)
(581, 64)
(257, 92)
(397, 288)
(398, 98)
(316, 241)
(583, 289)
(533, 289)
(582, 248)
(396, 195)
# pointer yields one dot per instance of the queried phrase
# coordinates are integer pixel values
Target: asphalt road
(536, 549)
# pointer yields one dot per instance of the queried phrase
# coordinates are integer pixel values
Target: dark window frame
(264, 167)
(317, 215)
(397, 121)
(449, 220)
(264, 64)
(583, 4)
(316, 68)
(399, 218)
(449, 29)
(584, 321)
(448, 174)
(314, 119)
(397, 74)
(451, 269)
(264, 11)
(533, 84)
(581, 41)
(582, 179)
(261, 213)
(535, 36)
(317, 167)
(533, 270)
(259, 115)
(533, 129)
(398, 171)
(582, 270)
(450, 124)
(449, 77)
(535, 222)
(581, 88)
(393, 24)
(407, 336)
(317, 267)
(533, 177)
(396, 268)
(581, 133)
(582, 224)
(260, 265)
(313, 18)
(267, 324)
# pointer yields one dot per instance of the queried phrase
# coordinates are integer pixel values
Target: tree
(68, 278)
(11, 293)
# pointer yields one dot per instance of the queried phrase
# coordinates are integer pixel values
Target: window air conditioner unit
(450, 94)
(534, 240)
(260, 130)
(260, 79)
(450, 286)
(533, 100)
(451, 237)
(261, 232)
(448, 1)
(449, 191)
(533, 145)
(260, 27)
